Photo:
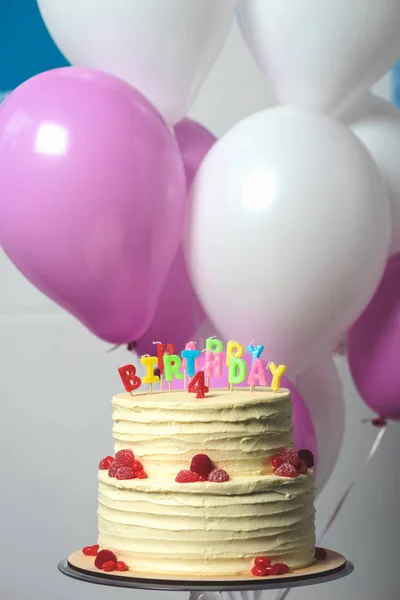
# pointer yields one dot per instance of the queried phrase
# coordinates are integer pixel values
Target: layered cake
(206, 486)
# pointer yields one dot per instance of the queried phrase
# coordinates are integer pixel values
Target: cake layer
(206, 528)
(238, 430)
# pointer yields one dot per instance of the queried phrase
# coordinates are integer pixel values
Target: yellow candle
(277, 373)
(149, 362)
(233, 349)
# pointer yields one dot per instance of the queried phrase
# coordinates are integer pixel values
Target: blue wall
(25, 46)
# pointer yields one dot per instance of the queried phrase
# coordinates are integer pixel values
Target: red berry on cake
(289, 455)
(113, 468)
(186, 476)
(136, 465)
(308, 457)
(124, 458)
(320, 553)
(302, 468)
(202, 478)
(141, 474)
(201, 464)
(125, 473)
(90, 550)
(262, 561)
(105, 463)
(120, 566)
(283, 569)
(218, 475)
(286, 470)
(258, 571)
(108, 566)
(272, 570)
(275, 462)
(104, 556)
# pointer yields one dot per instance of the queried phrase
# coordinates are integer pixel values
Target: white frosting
(239, 430)
(157, 525)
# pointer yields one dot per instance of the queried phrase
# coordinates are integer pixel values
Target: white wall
(55, 386)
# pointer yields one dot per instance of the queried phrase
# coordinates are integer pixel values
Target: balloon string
(377, 442)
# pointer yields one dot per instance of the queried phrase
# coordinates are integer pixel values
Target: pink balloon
(304, 433)
(92, 194)
(179, 312)
(373, 346)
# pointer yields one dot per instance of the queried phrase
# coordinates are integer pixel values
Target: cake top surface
(216, 397)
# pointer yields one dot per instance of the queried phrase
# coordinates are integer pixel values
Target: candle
(197, 385)
(277, 372)
(257, 373)
(172, 364)
(212, 364)
(160, 356)
(237, 371)
(149, 362)
(190, 360)
(255, 352)
(129, 378)
(233, 349)
(214, 345)
(191, 346)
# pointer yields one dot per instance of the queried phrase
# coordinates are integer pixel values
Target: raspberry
(286, 470)
(108, 566)
(120, 566)
(201, 464)
(136, 465)
(218, 475)
(283, 569)
(141, 474)
(125, 473)
(113, 468)
(302, 468)
(320, 553)
(275, 462)
(106, 462)
(124, 458)
(289, 455)
(202, 478)
(104, 556)
(262, 561)
(272, 570)
(186, 476)
(258, 571)
(90, 550)
(308, 457)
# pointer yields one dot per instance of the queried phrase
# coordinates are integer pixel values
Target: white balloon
(322, 54)
(164, 49)
(377, 124)
(288, 233)
(321, 389)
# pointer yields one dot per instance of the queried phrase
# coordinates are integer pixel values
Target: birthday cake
(204, 482)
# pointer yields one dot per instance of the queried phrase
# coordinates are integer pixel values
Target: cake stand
(334, 567)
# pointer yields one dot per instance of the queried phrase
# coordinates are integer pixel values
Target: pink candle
(213, 364)
(257, 373)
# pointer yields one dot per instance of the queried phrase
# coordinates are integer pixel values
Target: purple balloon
(303, 428)
(92, 195)
(373, 346)
(179, 312)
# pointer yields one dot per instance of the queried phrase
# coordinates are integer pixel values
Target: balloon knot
(131, 346)
(379, 422)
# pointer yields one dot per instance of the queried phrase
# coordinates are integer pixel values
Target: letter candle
(190, 360)
(277, 373)
(172, 364)
(237, 371)
(233, 348)
(129, 378)
(149, 362)
(160, 358)
(213, 358)
(256, 370)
